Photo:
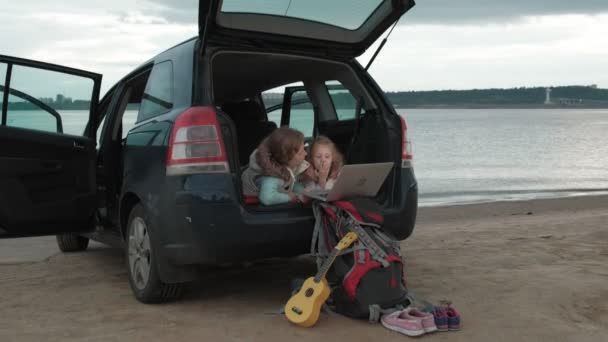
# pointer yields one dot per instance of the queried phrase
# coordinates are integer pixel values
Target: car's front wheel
(142, 262)
(69, 242)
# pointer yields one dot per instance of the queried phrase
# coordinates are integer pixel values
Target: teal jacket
(270, 190)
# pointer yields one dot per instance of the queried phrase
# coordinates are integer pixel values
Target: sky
(439, 44)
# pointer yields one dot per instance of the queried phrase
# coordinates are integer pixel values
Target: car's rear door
(335, 28)
(47, 148)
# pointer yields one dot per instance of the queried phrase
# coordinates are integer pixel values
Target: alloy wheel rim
(139, 253)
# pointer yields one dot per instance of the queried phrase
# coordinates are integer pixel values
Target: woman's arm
(270, 193)
(299, 188)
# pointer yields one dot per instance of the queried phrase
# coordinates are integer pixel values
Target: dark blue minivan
(154, 166)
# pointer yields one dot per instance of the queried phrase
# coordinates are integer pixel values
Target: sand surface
(516, 271)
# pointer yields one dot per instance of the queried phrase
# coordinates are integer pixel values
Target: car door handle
(78, 145)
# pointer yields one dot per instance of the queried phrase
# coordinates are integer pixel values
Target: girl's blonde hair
(337, 158)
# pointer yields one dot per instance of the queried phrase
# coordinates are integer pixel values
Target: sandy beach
(516, 271)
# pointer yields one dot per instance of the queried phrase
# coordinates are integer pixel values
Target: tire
(142, 262)
(69, 242)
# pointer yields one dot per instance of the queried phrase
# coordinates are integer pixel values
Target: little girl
(326, 163)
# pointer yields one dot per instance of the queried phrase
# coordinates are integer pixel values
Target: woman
(274, 168)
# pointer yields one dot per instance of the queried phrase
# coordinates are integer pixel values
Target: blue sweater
(270, 190)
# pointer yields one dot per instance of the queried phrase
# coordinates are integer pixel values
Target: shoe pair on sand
(414, 322)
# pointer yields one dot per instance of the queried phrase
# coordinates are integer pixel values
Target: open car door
(47, 148)
(335, 28)
(339, 126)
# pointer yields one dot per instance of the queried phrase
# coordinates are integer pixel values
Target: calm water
(469, 155)
(472, 155)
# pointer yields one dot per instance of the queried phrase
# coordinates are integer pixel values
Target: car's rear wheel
(142, 262)
(69, 242)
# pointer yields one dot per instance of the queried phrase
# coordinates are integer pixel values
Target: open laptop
(355, 180)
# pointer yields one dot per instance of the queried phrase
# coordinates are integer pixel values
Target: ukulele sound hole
(309, 292)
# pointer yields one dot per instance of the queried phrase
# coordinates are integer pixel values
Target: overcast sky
(439, 44)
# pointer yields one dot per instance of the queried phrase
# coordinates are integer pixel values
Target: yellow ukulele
(304, 307)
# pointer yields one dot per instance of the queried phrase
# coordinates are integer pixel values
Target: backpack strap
(352, 249)
(314, 243)
(377, 253)
(319, 245)
(390, 243)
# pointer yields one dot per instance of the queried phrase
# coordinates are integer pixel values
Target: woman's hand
(298, 198)
(293, 197)
(304, 199)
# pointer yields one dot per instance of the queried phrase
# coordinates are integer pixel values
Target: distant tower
(547, 95)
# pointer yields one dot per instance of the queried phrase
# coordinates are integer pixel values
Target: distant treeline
(581, 96)
(75, 105)
(566, 96)
(584, 96)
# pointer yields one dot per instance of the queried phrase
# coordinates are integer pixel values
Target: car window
(128, 121)
(128, 110)
(302, 115)
(158, 95)
(103, 110)
(275, 116)
(343, 100)
(347, 14)
(2, 80)
(48, 101)
(273, 99)
(100, 130)
(129, 103)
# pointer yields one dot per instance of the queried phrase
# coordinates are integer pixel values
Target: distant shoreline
(430, 106)
(512, 106)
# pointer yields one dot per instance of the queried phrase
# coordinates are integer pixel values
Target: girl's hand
(323, 173)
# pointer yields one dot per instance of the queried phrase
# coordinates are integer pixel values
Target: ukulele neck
(326, 265)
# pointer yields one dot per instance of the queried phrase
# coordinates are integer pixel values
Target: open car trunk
(240, 78)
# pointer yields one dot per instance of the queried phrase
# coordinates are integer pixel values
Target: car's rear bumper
(400, 219)
(210, 225)
(234, 235)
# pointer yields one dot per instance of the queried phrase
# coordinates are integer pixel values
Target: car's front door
(47, 148)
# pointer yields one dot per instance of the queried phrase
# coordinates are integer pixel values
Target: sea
(480, 155)
(485, 155)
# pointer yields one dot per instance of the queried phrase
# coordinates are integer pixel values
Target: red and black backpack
(367, 279)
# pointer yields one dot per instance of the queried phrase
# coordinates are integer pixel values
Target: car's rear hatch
(336, 28)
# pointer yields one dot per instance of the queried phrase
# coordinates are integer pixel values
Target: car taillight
(406, 146)
(196, 144)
